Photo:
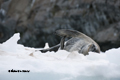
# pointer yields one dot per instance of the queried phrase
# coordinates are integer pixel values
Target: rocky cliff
(36, 20)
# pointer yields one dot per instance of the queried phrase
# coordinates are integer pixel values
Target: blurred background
(37, 20)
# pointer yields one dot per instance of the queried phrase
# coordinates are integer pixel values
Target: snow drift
(61, 65)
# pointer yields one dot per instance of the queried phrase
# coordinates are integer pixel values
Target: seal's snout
(98, 51)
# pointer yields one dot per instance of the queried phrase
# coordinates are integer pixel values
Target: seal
(77, 42)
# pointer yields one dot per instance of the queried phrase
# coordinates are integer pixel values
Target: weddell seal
(77, 42)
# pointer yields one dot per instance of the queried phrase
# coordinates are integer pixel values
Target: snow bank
(61, 65)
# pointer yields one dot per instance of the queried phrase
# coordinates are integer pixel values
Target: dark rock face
(109, 37)
(37, 20)
(5, 31)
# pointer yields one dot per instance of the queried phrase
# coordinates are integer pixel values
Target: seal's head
(94, 49)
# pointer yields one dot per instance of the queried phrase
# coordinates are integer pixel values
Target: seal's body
(78, 42)
(80, 45)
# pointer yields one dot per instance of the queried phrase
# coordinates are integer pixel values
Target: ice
(60, 65)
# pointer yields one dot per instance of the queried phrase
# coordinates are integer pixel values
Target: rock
(109, 37)
(6, 32)
(36, 20)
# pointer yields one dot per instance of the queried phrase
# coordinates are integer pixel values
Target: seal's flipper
(68, 33)
(54, 48)
(86, 49)
(62, 43)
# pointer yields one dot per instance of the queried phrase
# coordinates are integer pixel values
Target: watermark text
(12, 70)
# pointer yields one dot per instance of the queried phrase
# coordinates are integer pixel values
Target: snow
(60, 65)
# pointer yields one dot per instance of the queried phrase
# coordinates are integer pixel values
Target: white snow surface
(60, 65)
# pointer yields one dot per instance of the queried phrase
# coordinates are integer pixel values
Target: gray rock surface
(36, 20)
